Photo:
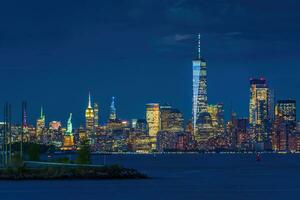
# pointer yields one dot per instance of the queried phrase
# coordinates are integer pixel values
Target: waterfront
(193, 176)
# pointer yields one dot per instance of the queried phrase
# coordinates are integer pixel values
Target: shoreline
(67, 172)
(174, 153)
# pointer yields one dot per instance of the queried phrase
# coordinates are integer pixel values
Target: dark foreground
(212, 176)
(65, 173)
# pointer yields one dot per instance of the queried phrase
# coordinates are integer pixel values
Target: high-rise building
(141, 126)
(260, 108)
(40, 124)
(199, 87)
(280, 133)
(153, 121)
(202, 122)
(113, 111)
(284, 129)
(286, 109)
(237, 132)
(171, 119)
(217, 117)
(96, 115)
(153, 118)
(89, 116)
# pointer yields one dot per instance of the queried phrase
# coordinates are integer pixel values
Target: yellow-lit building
(153, 121)
(259, 106)
(171, 119)
(216, 112)
(89, 117)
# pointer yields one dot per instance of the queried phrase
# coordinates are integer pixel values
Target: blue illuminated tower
(199, 86)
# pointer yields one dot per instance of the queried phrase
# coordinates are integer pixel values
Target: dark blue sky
(53, 52)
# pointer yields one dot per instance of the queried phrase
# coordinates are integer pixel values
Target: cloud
(177, 39)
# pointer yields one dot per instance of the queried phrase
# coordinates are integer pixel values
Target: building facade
(171, 119)
(199, 87)
(260, 109)
(287, 110)
(153, 121)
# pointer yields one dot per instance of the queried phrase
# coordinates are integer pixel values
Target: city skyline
(143, 99)
(51, 62)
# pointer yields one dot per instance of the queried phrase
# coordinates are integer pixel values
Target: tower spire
(42, 113)
(199, 46)
(90, 104)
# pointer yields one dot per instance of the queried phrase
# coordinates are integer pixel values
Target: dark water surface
(181, 176)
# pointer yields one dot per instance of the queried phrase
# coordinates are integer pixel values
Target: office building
(171, 119)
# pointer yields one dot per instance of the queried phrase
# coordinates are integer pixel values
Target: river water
(177, 176)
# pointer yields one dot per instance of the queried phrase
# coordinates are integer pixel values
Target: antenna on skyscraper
(90, 102)
(199, 46)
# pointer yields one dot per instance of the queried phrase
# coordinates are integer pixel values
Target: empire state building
(89, 116)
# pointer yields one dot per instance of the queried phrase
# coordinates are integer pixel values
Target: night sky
(52, 53)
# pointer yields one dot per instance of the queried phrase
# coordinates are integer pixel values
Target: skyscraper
(171, 119)
(89, 116)
(286, 109)
(113, 111)
(284, 129)
(259, 107)
(40, 124)
(141, 126)
(202, 123)
(96, 115)
(153, 118)
(217, 117)
(199, 86)
(153, 121)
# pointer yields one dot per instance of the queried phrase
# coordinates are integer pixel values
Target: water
(184, 176)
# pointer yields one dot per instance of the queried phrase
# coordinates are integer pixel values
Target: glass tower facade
(199, 87)
(259, 107)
